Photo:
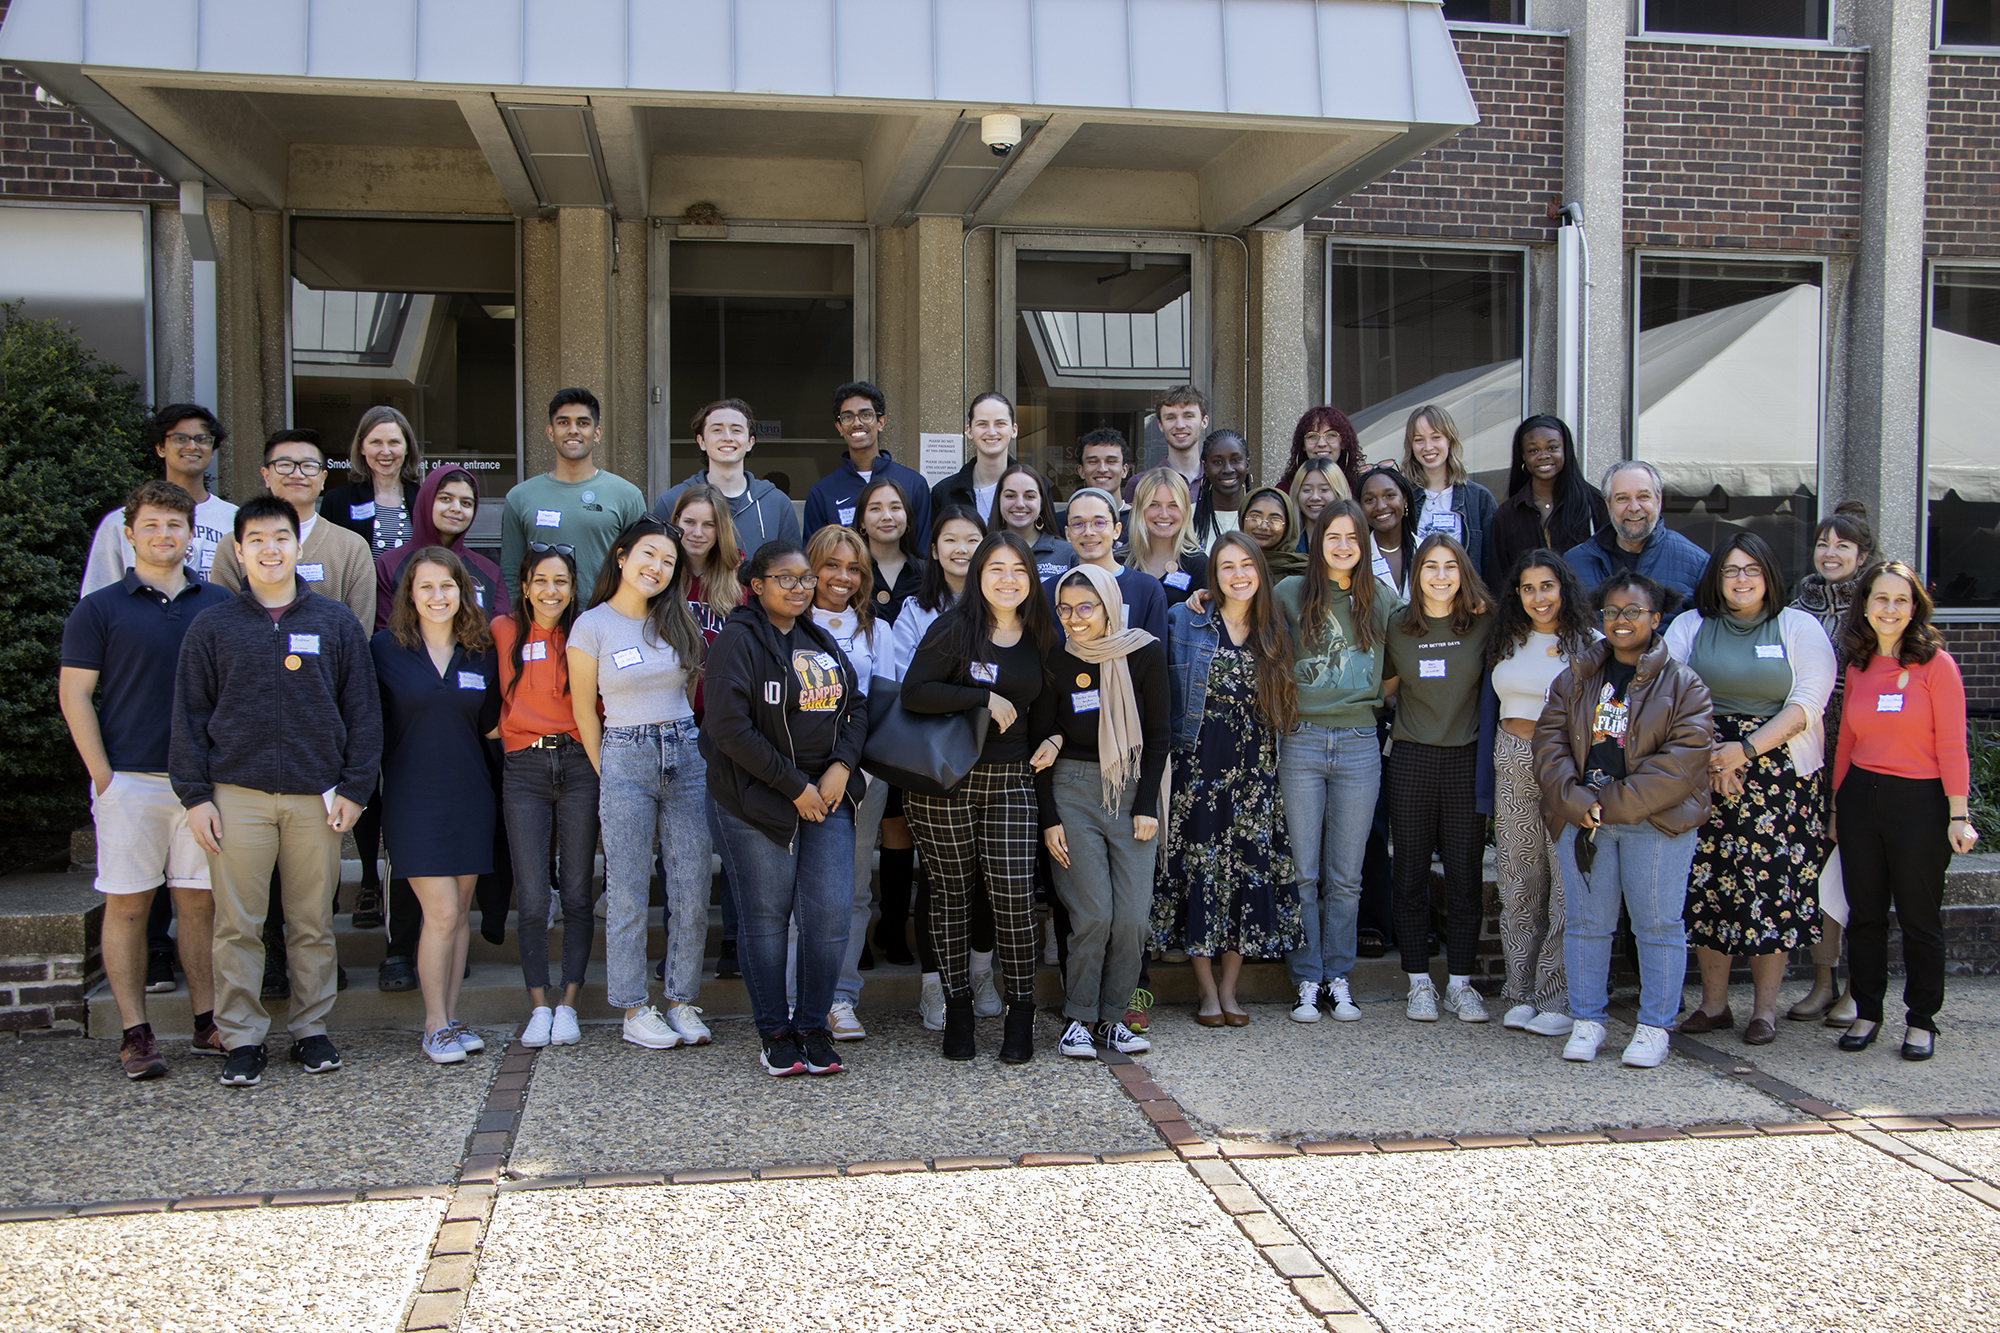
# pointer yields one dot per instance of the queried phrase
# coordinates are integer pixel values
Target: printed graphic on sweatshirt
(1340, 665)
(1607, 728)
(820, 682)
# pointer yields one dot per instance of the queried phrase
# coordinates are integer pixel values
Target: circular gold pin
(883, 596)
(1082, 680)
(1555, 650)
(293, 662)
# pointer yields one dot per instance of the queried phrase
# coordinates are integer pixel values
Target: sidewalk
(1375, 1175)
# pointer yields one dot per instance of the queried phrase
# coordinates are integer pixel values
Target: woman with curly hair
(1325, 432)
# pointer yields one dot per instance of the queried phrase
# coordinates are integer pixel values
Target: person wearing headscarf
(446, 504)
(1271, 518)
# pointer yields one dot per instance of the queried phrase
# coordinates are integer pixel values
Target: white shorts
(143, 836)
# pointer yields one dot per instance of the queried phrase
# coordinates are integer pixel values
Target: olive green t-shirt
(1437, 700)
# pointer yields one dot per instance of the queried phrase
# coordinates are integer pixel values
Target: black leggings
(1431, 806)
(1894, 848)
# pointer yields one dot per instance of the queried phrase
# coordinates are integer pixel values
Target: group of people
(1210, 709)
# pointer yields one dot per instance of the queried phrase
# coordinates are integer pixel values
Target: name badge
(824, 661)
(361, 511)
(1888, 703)
(312, 573)
(1083, 701)
(1050, 571)
(304, 643)
(1430, 668)
(207, 558)
(846, 513)
(548, 518)
(471, 680)
(984, 672)
(1177, 578)
(627, 657)
(1771, 650)
(1381, 567)
(479, 596)
(538, 651)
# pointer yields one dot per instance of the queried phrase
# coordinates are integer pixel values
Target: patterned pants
(1431, 807)
(986, 829)
(1531, 891)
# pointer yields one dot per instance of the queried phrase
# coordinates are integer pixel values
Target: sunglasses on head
(543, 548)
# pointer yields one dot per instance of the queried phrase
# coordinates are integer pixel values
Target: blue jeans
(867, 823)
(651, 790)
(1330, 777)
(811, 879)
(1648, 872)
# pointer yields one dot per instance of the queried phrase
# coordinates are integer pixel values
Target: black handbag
(926, 753)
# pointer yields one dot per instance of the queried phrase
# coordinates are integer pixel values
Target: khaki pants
(258, 831)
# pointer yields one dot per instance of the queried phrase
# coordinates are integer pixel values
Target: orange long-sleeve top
(539, 706)
(1905, 722)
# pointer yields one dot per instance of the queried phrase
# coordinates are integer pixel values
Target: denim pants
(551, 799)
(1330, 777)
(651, 793)
(867, 823)
(1108, 889)
(810, 879)
(1647, 871)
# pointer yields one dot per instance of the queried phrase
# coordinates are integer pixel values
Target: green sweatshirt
(1339, 684)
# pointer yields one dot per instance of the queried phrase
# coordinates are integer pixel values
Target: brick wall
(1743, 148)
(1976, 646)
(1493, 181)
(42, 995)
(1962, 203)
(47, 152)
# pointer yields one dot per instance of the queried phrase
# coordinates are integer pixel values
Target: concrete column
(1885, 323)
(625, 395)
(935, 329)
(541, 338)
(584, 314)
(173, 309)
(250, 353)
(1278, 356)
(1230, 402)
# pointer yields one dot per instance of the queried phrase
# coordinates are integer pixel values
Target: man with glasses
(1093, 531)
(336, 563)
(184, 435)
(575, 503)
(1637, 542)
(861, 413)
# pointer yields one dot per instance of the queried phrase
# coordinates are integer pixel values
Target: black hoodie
(778, 716)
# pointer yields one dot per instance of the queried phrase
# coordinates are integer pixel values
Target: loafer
(1760, 1032)
(1697, 1022)
(1236, 1020)
(1212, 1020)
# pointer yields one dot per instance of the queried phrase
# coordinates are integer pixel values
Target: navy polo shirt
(130, 634)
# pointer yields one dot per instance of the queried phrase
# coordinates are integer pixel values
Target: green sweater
(1340, 685)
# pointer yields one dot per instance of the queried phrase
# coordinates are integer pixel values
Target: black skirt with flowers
(1754, 888)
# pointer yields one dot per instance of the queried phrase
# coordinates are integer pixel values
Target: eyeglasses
(865, 417)
(1742, 571)
(543, 548)
(179, 437)
(793, 582)
(1091, 524)
(1261, 520)
(304, 467)
(1078, 610)
(1635, 614)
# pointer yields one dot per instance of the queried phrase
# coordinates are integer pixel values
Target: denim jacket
(1192, 640)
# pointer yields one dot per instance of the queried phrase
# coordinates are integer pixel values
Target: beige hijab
(1119, 741)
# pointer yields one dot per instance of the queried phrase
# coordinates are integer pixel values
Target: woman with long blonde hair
(1162, 535)
(1448, 499)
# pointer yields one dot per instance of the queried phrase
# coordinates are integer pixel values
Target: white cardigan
(1811, 657)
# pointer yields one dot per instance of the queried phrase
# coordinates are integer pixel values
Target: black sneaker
(368, 908)
(782, 1055)
(867, 963)
(725, 962)
(245, 1067)
(397, 974)
(339, 977)
(316, 1054)
(159, 973)
(277, 982)
(820, 1055)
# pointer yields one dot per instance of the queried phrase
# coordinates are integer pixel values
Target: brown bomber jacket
(1667, 740)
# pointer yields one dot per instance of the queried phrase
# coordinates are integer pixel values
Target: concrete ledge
(49, 914)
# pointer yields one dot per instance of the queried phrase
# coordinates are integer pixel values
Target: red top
(1905, 722)
(538, 706)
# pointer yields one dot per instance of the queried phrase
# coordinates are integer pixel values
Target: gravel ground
(1817, 1234)
(1387, 1076)
(1021, 1249)
(1974, 1151)
(1878, 1081)
(77, 1131)
(608, 1106)
(348, 1268)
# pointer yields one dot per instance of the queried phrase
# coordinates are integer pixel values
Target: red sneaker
(1135, 1015)
(139, 1057)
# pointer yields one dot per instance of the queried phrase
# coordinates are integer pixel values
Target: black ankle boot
(1018, 1046)
(958, 1040)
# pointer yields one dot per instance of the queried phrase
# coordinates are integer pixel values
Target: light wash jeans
(651, 793)
(1330, 777)
(810, 880)
(1648, 872)
(1108, 889)
(867, 823)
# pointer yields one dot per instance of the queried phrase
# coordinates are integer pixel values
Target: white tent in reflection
(1961, 408)
(1484, 402)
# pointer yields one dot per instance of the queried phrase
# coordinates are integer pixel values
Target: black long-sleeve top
(1056, 713)
(935, 684)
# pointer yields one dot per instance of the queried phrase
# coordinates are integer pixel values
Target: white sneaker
(540, 1024)
(1464, 1001)
(1648, 1048)
(931, 1006)
(647, 1028)
(1308, 1009)
(985, 997)
(1584, 1039)
(1519, 1017)
(1423, 1002)
(1124, 1040)
(685, 1019)
(842, 1023)
(1076, 1042)
(1550, 1024)
(564, 1031)
(1344, 1008)
(443, 1048)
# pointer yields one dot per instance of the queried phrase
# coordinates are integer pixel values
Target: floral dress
(1225, 883)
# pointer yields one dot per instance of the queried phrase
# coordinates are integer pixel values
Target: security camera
(1001, 132)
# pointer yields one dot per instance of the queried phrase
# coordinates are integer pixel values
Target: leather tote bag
(927, 753)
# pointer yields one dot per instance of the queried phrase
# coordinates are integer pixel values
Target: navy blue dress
(438, 809)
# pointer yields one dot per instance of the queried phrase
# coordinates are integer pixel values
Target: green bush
(70, 448)
(1984, 743)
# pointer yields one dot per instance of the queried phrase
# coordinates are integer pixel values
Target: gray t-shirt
(640, 682)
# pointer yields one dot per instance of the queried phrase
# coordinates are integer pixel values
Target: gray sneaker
(1464, 1001)
(985, 996)
(931, 1006)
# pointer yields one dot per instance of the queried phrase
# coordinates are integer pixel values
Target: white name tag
(627, 657)
(479, 596)
(471, 680)
(1083, 701)
(824, 661)
(1381, 568)
(361, 511)
(207, 559)
(846, 513)
(1888, 703)
(548, 518)
(1430, 668)
(1177, 578)
(313, 573)
(537, 651)
(305, 643)
(1776, 650)
(984, 672)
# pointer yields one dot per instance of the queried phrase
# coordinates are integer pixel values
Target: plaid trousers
(985, 830)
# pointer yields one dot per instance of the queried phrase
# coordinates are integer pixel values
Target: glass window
(1486, 11)
(1728, 398)
(771, 323)
(1805, 20)
(1969, 22)
(1411, 327)
(1961, 459)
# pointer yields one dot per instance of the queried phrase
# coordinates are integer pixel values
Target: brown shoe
(1761, 1032)
(139, 1057)
(1209, 1020)
(1236, 1020)
(1697, 1022)
(208, 1041)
